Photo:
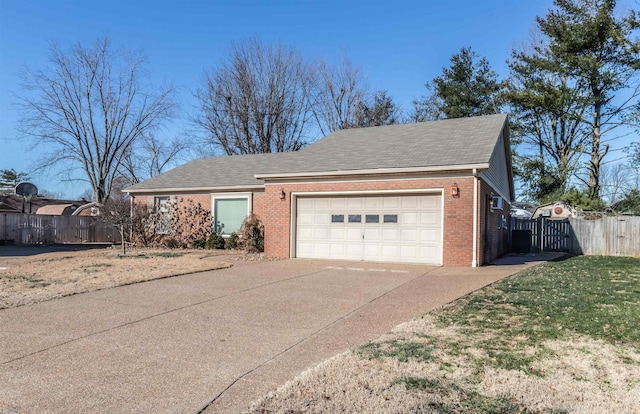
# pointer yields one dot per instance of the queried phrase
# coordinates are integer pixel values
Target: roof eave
(405, 170)
(134, 191)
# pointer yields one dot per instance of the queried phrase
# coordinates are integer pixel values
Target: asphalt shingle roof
(461, 141)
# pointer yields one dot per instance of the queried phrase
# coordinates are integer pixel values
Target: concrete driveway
(211, 341)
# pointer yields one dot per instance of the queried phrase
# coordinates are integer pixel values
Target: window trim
(222, 196)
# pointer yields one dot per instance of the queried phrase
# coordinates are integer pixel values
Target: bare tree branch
(90, 107)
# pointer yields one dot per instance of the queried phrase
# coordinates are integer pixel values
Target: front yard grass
(561, 337)
(32, 279)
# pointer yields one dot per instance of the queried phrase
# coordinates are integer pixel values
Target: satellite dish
(26, 189)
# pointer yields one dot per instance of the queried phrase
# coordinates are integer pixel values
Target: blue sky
(399, 45)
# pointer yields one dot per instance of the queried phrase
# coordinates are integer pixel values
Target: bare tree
(150, 156)
(89, 107)
(258, 101)
(428, 107)
(377, 110)
(341, 90)
(617, 180)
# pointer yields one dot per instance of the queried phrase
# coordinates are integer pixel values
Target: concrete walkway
(212, 341)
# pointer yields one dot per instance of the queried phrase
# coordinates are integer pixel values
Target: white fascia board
(406, 170)
(192, 189)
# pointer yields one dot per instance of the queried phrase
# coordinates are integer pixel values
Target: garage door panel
(390, 202)
(372, 250)
(306, 203)
(430, 235)
(328, 227)
(390, 251)
(372, 235)
(431, 203)
(410, 219)
(410, 202)
(305, 233)
(408, 252)
(355, 203)
(338, 250)
(354, 234)
(322, 218)
(322, 249)
(354, 250)
(409, 235)
(391, 235)
(372, 202)
(322, 204)
(430, 219)
(338, 234)
(305, 219)
(305, 249)
(321, 233)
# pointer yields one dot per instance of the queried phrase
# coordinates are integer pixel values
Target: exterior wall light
(283, 195)
(455, 191)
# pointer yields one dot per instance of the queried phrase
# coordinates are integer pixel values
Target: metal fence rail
(37, 229)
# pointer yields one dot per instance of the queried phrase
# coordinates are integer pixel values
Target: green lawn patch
(588, 295)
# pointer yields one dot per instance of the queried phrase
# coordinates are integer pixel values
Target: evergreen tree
(469, 87)
(600, 51)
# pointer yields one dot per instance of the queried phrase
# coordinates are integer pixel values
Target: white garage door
(374, 228)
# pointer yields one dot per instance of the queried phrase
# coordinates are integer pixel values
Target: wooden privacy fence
(37, 229)
(609, 236)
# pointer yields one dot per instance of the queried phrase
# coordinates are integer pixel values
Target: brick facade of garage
(457, 215)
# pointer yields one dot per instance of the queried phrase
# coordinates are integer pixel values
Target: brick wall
(457, 224)
(493, 240)
(457, 218)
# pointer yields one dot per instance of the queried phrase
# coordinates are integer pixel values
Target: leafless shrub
(183, 224)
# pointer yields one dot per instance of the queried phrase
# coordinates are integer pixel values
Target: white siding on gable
(498, 173)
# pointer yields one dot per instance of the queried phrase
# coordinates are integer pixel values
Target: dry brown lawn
(30, 279)
(580, 376)
(559, 338)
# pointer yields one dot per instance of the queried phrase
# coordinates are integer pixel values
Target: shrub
(233, 242)
(198, 244)
(185, 222)
(252, 232)
(171, 243)
(215, 241)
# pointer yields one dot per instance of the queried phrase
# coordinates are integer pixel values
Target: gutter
(163, 190)
(438, 168)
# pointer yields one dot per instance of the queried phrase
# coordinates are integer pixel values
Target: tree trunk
(597, 153)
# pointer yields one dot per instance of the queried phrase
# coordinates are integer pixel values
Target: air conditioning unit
(496, 203)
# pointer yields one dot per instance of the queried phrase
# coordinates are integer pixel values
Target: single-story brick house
(431, 192)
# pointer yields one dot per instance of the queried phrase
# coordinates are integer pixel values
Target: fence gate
(546, 235)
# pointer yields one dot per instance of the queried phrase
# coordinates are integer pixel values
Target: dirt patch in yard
(32, 279)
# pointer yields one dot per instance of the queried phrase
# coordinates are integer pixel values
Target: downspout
(474, 260)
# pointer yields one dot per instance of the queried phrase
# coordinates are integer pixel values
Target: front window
(161, 205)
(229, 213)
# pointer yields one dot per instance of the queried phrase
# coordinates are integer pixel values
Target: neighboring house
(432, 192)
(555, 211)
(89, 209)
(39, 205)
